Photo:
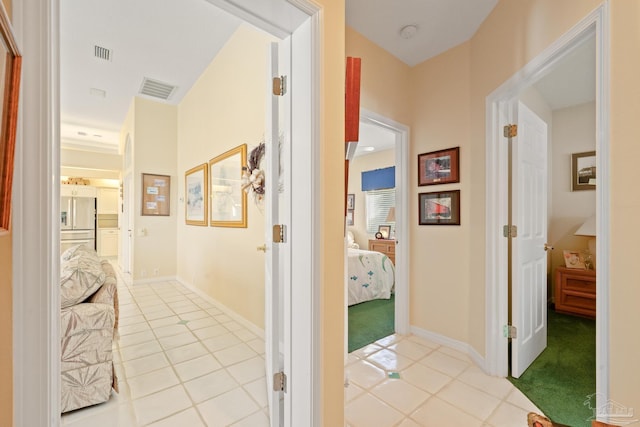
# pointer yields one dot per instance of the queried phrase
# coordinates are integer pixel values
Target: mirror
(10, 62)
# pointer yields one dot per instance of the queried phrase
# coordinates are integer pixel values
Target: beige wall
(155, 151)
(385, 85)
(382, 159)
(6, 331)
(90, 164)
(625, 202)
(331, 211)
(224, 262)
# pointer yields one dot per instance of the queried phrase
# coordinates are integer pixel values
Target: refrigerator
(77, 222)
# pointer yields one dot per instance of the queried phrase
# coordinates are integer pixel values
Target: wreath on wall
(252, 176)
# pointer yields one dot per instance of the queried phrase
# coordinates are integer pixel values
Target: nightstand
(385, 246)
(575, 291)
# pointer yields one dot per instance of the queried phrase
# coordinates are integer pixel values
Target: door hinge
(510, 131)
(279, 233)
(510, 232)
(280, 85)
(280, 382)
(510, 331)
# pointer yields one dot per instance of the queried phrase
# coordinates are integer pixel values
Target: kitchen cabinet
(108, 201)
(68, 190)
(108, 242)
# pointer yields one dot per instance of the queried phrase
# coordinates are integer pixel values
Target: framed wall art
(385, 230)
(156, 195)
(10, 77)
(350, 214)
(351, 201)
(439, 208)
(583, 171)
(227, 199)
(196, 191)
(439, 167)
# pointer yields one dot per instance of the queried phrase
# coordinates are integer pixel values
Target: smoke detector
(408, 31)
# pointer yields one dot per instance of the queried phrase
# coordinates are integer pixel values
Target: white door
(529, 258)
(277, 212)
(126, 229)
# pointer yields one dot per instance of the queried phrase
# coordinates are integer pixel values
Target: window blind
(378, 203)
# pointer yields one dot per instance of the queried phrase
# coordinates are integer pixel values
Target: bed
(371, 276)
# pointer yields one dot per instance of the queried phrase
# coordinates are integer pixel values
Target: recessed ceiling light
(367, 148)
(408, 31)
(82, 133)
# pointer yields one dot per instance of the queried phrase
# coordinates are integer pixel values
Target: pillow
(80, 277)
(351, 242)
(75, 251)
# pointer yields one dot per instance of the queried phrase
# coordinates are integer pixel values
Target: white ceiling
(441, 24)
(173, 41)
(160, 39)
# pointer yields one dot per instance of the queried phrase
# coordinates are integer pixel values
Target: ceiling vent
(156, 89)
(102, 53)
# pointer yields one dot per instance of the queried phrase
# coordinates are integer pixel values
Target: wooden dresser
(575, 291)
(387, 247)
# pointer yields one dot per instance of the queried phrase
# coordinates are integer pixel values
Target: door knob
(262, 248)
(548, 247)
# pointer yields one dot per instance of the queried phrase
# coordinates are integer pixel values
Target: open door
(277, 221)
(529, 257)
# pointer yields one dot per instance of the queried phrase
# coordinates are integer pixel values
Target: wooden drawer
(575, 291)
(387, 247)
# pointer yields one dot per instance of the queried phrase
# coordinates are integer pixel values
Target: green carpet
(369, 321)
(560, 379)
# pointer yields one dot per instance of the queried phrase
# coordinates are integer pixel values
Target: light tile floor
(181, 361)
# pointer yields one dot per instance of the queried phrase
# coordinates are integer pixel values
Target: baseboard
(153, 280)
(228, 311)
(460, 346)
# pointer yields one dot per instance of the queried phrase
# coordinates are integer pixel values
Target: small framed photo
(350, 217)
(351, 201)
(439, 208)
(385, 231)
(583, 171)
(439, 167)
(574, 259)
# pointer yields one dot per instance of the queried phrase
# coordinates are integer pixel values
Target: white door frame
(401, 133)
(496, 361)
(36, 322)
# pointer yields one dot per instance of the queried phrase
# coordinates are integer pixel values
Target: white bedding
(371, 276)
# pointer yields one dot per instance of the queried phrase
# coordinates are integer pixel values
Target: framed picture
(574, 259)
(439, 167)
(228, 201)
(196, 191)
(156, 195)
(385, 231)
(10, 90)
(439, 208)
(583, 171)
(350, 217)
(351, 201)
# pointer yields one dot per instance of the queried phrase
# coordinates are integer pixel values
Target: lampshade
(391, 216)
(588, 228)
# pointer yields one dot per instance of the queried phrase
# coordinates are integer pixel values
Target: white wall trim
(496, 262)
(227, 310)
(451, 343)
(401, 132)
(36, 247)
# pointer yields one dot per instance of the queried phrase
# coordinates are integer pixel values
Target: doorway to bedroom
(376, 285)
